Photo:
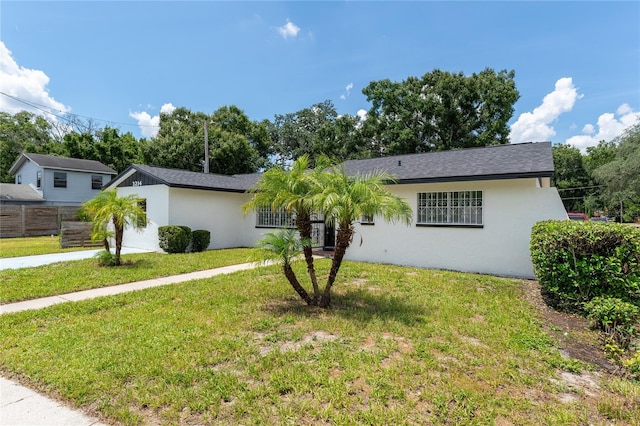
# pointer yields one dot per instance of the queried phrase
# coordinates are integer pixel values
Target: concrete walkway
(45, 259)
(22, 406)
(122, 288)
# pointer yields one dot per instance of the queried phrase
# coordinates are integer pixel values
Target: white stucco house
(473, 209)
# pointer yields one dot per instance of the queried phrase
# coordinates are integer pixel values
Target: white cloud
(26, 84)
(536, 126)
(288, 30)
(609, 127)
(348, 89)
(149, 126)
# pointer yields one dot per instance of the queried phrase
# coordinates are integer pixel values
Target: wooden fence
(76, 234)
(29, 221)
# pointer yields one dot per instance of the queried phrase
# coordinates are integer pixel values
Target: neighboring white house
(61, 181)
(473, 209)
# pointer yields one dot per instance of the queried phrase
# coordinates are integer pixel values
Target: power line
(41, 107)
(580, 187)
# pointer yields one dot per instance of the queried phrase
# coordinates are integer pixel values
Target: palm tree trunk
(303, 223)
(293, 280)
(119, 233)
(343, 239)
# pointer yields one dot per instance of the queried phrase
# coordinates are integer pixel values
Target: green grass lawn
(65, 277)
(399, 346)
(15, 247)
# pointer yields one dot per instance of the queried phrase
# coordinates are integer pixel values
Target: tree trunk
(119, 233)
(305, 228)
(293, 280)
(343, 240)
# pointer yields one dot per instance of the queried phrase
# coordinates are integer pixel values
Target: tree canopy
(620, 177)
(440, 111)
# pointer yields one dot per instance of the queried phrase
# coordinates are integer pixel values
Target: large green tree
(236, 143)
(570, 177)
(621, 177)
(20, 132)
(316, 131)
(440, 111)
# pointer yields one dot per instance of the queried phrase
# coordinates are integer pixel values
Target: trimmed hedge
(173, 238)
(577, 261)
(200, 240)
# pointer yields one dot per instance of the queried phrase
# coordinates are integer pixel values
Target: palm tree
(293, 191)
(283, 245)
(345, 199)
(107, 207)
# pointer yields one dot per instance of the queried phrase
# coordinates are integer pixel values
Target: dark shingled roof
(187, 179)
(15, 192)
(493, 162)
(62, 163)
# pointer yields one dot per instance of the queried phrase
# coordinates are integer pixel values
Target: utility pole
(206, 147)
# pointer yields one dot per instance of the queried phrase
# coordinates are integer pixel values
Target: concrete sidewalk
(45, 259)
(22, 406)
(122, 288)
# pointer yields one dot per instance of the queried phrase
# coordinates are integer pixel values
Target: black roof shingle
(494, 162)
(62, 163)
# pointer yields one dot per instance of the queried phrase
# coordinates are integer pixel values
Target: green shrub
(577, 261)
(633, 364)
(617, 318)
(174, 239)
(187, 230)
(200, 239)
(106, 258)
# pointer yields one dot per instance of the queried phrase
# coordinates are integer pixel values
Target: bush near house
(577, 261)
(200, 239)
(173, 238)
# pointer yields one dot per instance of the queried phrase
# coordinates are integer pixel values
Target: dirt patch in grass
(572, 332)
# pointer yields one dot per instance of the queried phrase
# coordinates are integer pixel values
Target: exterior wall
(500, 247)
(28, 173)
(78, 188)
(217, 212)
(157, 197)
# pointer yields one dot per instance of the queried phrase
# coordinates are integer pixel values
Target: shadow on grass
(358, 305)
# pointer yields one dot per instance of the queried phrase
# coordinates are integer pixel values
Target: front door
(329, 236)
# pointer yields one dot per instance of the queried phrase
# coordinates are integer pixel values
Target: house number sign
(136, 183)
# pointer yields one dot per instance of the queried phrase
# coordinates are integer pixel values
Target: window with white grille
(269, 218)
(450, 208)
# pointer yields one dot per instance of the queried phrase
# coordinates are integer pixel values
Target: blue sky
(577, 64)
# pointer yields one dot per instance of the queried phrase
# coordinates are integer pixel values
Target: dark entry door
(329, 236)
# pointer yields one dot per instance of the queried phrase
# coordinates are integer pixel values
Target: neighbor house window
(59, 180)
(96, 182)
(462, 208)
(366, 219)
(19, 179)
(269, 218)
(39, 179)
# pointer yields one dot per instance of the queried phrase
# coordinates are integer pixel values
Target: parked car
(577, 216)
(599, 219)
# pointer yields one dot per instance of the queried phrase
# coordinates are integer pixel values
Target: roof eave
(523, 175)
